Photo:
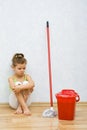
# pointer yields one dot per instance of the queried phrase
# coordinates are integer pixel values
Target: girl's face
(19, 69)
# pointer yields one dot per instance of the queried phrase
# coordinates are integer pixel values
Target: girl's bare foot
(19, 110)
(27, 112)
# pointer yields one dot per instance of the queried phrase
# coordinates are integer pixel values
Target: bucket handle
(77, 97)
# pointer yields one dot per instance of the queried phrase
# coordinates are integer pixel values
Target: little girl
(21, 84)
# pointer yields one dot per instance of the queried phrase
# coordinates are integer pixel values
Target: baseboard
(44, 104)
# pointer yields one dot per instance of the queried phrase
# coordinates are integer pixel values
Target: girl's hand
(17, 89)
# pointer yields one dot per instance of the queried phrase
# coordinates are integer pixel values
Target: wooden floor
(10, 121)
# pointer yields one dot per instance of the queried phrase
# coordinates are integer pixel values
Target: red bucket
(66, 101)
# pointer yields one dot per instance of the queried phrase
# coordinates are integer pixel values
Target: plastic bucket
(66, 101)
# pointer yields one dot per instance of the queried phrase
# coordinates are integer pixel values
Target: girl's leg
(26, 97)
(22, 103)
(13, 103)
(19, 110)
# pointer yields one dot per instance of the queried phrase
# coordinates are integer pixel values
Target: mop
(49, 112)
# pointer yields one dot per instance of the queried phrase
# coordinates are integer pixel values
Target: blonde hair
(18, 58)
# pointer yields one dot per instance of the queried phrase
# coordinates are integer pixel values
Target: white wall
(23, 29)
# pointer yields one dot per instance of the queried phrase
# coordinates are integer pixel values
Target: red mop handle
(49, 64)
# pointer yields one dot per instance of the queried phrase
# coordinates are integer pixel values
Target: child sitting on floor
(21, 85)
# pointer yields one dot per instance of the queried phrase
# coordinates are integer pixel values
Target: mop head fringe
(49, 113)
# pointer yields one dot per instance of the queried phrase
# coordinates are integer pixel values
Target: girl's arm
(17, 88)
(11, 83)
(29, 85)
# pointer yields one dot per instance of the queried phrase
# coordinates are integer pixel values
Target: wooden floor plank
(11, 121)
